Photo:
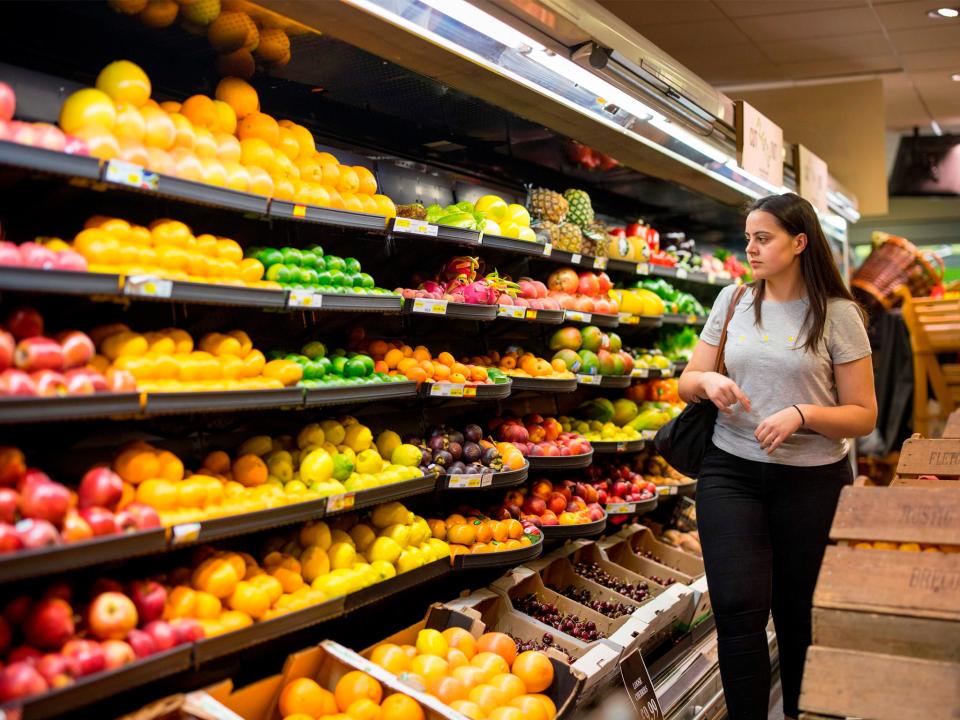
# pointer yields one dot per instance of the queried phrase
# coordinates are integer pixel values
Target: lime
(314, 250)
(339, 364)
(366, 281)
(308, 276)
(323, 278)
(368, 363)
(313, 370)
(353, 280)
(335, 263)
(297, 358)
(308, 260)
(342, 467)
(351, 265)
(279, 273)
(337, 278)
(319, 263)
(355, 368)
(314, 350)
(291, 256)
(269, 256)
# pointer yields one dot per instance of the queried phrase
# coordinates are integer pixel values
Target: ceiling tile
(813, 49)
(826, 23)
(702, 33)
(811, 69)
(918, 40)
(644, 13)
(902, 15)
(752, 8)
(947, 59)
(935, 78)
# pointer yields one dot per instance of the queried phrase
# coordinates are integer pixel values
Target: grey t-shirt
(771, 367)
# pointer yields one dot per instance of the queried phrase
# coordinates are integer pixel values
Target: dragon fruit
(432, 287)
(480, 293)
(461, 266)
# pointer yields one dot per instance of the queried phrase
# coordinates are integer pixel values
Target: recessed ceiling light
(944, 12)
(955, 77)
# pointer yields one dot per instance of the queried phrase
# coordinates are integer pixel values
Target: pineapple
(595, 240)
(581, 210)
(548, 232)
(570, 238)
(547, 205)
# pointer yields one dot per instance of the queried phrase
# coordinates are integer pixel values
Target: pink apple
(77, 348)
(100, 486)
(8, 102)
(142, 643)
(98, 381)
(49, 624)
(70, 260)
(24, 654)
(49, 137)
(162, 633)
(117, 653)
(55, 669)
(9, 501)
(45, 501)
(120, 380)
(7, 348)
(76, 146)
(38, 353)
(188, 630)
(149, 597)
(100, 520)
(23, 133)
(20, 680)
(79, 382)
(111, 616)
(37, 256)
(37, 534)
(16, 382)
(49, 383)
(10, 254)
(144, 516)
(85, 657)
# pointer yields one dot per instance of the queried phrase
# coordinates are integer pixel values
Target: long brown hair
(817, 267)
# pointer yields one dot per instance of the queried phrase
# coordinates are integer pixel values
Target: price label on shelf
(621, 508)
(299, 211)
(643, 695)
(531, 314)
(147, 286)
(628, 319)
(599, 263)
(185, 533)
(577, 316)
(682, 273)
(547, 250)
(589, 379)
(641, 373)
(622, 446)
(430, 306)
(336, 503)
(692, 319)
(643, 269)
(414, 227)
(470, 480)
(667, 490)
(304, 299)
(444, 389)
(511, 311)
(667, 372)
(126, 173)
(576, 258)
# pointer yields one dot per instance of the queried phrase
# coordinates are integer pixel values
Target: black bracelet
(803, 420)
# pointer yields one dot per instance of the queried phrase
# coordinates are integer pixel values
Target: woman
(799, 381)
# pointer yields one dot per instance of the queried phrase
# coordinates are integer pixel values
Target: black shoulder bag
(684, 440)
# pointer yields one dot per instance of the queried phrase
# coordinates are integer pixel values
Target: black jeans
(764, 528)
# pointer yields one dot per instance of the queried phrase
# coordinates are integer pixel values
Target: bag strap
(721, 364)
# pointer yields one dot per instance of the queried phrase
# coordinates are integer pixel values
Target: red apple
(25, 654)
(111, 616)
(557, 503)
(16, 382)
(588, 285)
(32, 476)
(149, 597)
(162, 633)
(49, 137)
(100, 486)
(70, 260)
(98, 381)
(77, 347)
(37, 256)
(9, 501)
(100, 520)
(45, 501)
(138, 516)
(549, 518)
(24, 322)
(85, 657)
(8, 102)
(37, 534)
(38, 353)
(536, 433)
(49, 624)
(142, 643)
(120, 380)
(75, 528)
(7, 348)
(20, 680)
(534, 506)
(55, 669)
(23, 133)
(76, 146)
(117, 653)
(79, 382)
(188, 630)
(49, 383)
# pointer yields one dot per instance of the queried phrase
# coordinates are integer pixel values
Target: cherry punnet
(604, 607)
(592, 571)
(548, 614)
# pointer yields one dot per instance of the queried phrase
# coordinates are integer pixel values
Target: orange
(253, 363)
(349, 180)
(535, 669)
(234, 620)
(251, 270)
(351, 202)
(181, 602)
(484, 532)
(336, 200)
(201, 112)
(239, 64)
(393, 358)
(185, 136)
(288, 143)
(356, 685)
(239, 95)
(283, 188)
(304, 139)
(401, 707)
(159, 13)
(490, 663)
(460, 639)
(129, 124)
(447, 689)
(469, 709)
(250, 599)
(249, 470)
(416, 374)
(204, 146)
(446, 358)
(274, 47)
(286, 371)
(429, 667)
(331, 172)
(259, 125)
(461, 534)
(514, 529)
(455, 519)
(309, 168)
(124, 81)
(487, 697)
(385, 206)
(366, 182)
(501, 532)
(171, 468)
(364, 709)
(306, 696)
(159, 130)
(260, 181)
(468, 675)
(158, 494)
(531, 706)
(135, 465)
(257, 152)
(391, 658)
(456, 658)
(100, 141)
(510, 684)
(215, 576)
(207, 606)
(550, 706)
(506, 713)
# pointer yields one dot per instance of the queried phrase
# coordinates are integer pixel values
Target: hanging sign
(759, 144)
(812, 177)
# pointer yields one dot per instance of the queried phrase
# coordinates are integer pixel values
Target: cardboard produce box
(685, 567)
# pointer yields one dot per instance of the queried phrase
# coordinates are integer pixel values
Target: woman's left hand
(778, 427)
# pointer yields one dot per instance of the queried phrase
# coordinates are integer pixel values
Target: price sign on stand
(577, 316)
(147, 286)
(576, 258)
(641, 373)
(186, 533)
(628, 319)
(126, 173)
(445, 389)
(667, 490)
(470, 480)
(430, 306)
(621, 508)
(548, 250)
(589, 379)
(415, 227)
(636, 678)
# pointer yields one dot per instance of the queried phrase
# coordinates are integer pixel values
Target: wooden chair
(934, 326)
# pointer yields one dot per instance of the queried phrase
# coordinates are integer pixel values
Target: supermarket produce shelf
(151, 288)
(509, 478)
(94, 688)
(606, 381)
(649, 373)
(631, 508)
(406, 227)
(679, 367)
(223, 400)
(327, 216)
(504, 558)
(444, 308)
(678, 319)
(209, 649)
(568, 532)
(517, 312)
(61, 282)
(560, 462)
(684, 489)
(617, 447)
(382, 590)
(246, 523)
(598, 319)
(21, 408)
(546, 385)
(347, 303)
(49, 161)
(342, 395)
(515, 245)
(495, 391)
(627, 320)
(697, 276)
(360, 499)
(24, 564)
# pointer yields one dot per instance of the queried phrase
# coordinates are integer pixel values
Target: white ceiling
(771, 43)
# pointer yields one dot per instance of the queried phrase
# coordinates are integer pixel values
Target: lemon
(331, 585)
(387, 442)
(428, 553)
(400, 533)
(440, 548)
(342, 555)
(363, 536)
(342, 536)
(419, 531)
(432, 642)
(389, 514)
(316, 467)
(358, 437)
(314, 563)
(348, 452)
(369, 461)
(333, 431)
(384, 549)
(385, 570)
(407, 455)
(408, 560)
(258, 445)
(294, 486)
(311, 434)
(280, 467)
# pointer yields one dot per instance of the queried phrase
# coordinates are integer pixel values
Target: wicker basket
(894, 263)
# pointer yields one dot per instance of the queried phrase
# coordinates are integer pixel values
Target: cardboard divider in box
(929, 463)
(563, 691)
(596, 663)
(673, 562)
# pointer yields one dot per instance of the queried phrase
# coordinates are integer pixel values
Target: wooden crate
(952, 428)
(877, 686)
(924, 456)
(898, 514)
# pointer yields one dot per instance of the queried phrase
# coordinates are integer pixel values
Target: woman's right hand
(723, 392)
